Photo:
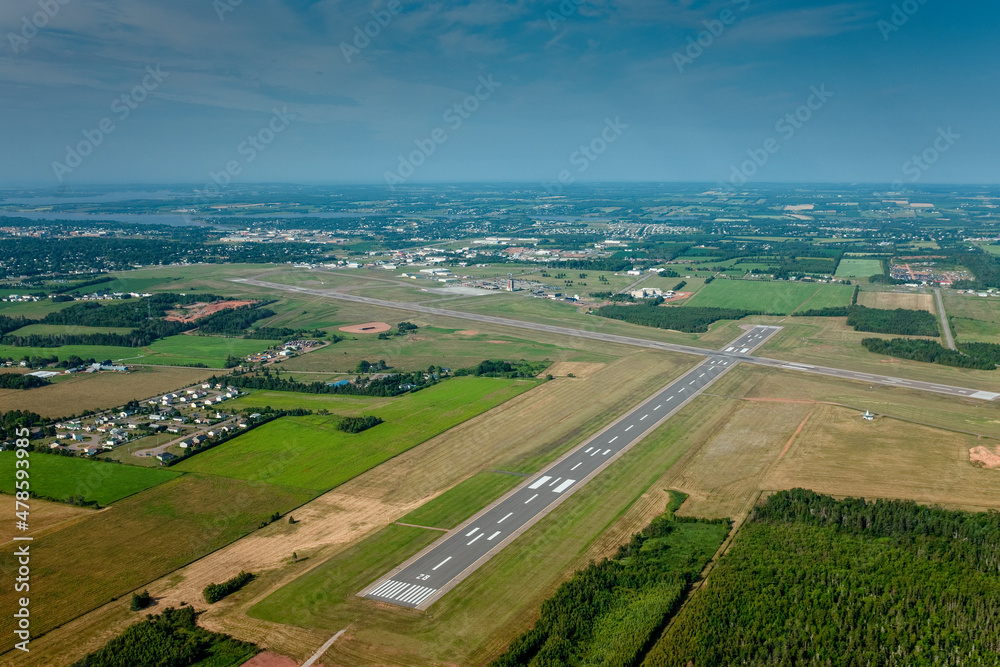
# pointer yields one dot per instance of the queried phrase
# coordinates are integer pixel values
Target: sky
(730, 92)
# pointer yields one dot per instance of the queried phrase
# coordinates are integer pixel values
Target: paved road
(430, 574)
(949, 341)
(734, 354)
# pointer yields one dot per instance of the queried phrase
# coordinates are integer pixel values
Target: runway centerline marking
(530, 499)
(576, 466)
(630, 428)
(441, 563)
(474, 539)
(509, 515)
(611, 440)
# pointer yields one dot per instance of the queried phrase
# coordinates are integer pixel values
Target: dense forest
(608, 612)
(900, 321)
(984, 267)
(172, 639)
(811, 580)
(19, 381)
(931, 351)
(689, 319)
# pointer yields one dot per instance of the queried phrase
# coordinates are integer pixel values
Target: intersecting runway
(433, 572)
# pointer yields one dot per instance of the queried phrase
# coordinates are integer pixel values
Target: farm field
(81, 566)
(974, 318)
(61, 477)
(62, 329)
(33, 310)
(171, 351)
(893, 300)
(97, 391)
(779, 297)
(851, 267)
(309, 452)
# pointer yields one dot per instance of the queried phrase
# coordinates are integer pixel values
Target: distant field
(893, 300)
(33, 310)
(309, 452)
(172, 351)
(779, 297)
(850, 267)
(85, 391)
(61, 477)
(452, 348)
(60, 329)
(109, 553)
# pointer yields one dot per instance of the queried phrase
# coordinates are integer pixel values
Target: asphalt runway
(423, 579)
(735, 353)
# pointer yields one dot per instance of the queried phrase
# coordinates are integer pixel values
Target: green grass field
(66, 329)
(462, 501)
(172, 351)
(779, 297)
(433, 346)
(309, 452)
(33, 310)
(61, 477)
(851, 267)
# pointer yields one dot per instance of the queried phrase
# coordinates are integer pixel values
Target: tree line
(982, 356)
(607, 613)
(811, 580)
(171, 639)
(689, 319)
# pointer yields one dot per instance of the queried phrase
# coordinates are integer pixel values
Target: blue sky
(895, 80)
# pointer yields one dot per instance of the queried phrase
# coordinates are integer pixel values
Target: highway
(731, 352)
(420, 581)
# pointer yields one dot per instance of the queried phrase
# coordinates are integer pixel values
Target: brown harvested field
(579, 369)
(367, 328)
(530, 428)
(98, 391)
(47, 517)
(843, 455)
(893, 300)
(988, 458)
(196, 311)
